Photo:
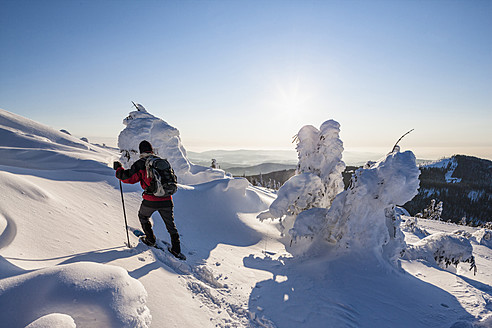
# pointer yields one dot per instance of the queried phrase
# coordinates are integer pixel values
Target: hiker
(150, 203)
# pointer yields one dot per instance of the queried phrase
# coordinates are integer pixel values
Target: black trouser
(144, 214)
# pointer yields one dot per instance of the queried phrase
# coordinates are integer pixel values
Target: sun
(290, 96)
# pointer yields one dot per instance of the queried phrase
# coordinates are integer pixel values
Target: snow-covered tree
(463, 221)
(166, 141)
(318, 213)
(214, 164)
(483, 237)
(411, 225)
(319, 174)
(364, 217)
(445, 249)
(331, 164)
(433, 211)
(437, 212)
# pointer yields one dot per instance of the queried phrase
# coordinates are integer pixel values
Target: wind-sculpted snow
(165, 139)
(87, 292)
(445, 249)
(483, 237)
(28, 144)
(32, 133)
(8, 230)
(57, 320)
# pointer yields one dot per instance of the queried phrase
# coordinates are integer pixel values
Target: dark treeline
(471, 197)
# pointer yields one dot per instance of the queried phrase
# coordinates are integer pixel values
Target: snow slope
(63, 259)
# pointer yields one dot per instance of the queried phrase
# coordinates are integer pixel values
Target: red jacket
(138, 173)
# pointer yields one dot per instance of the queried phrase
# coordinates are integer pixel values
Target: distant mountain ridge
(263, 168)
(243, 157)
(462, 183)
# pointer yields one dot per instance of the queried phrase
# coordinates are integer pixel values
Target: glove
(116, 165)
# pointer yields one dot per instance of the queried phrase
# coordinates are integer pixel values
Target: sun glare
(290, 96)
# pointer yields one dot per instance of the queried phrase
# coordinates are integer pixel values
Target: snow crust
(166, 141)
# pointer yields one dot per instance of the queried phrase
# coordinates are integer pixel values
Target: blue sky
(250, 74)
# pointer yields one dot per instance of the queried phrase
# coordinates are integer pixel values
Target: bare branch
(396, 144)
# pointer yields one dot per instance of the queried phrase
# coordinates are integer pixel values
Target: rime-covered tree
(319, 174)
(362, 218)
(166, 142)
(433, 211)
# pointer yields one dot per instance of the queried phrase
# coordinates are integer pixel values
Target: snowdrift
(92, 294)
(447, 250)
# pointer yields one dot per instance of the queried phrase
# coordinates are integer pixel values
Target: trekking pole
(124, 214)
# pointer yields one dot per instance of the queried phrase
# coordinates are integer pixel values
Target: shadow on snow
(350, 291)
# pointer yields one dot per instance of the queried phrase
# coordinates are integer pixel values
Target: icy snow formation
(319, 177)
(364, 217)
(112, 297)
(141, 125)
(443, 249)
(483, 237)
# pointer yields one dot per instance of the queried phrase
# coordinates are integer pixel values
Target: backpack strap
(148, 168)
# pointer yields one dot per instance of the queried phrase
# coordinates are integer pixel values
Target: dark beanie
(145, 147)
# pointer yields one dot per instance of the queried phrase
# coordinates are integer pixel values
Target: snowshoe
(147, 242)
(180, 255)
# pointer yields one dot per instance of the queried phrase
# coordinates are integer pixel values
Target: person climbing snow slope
(139, 172)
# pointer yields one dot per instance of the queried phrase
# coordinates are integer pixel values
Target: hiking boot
(148, 241)
(176, 245)
(179, 255)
